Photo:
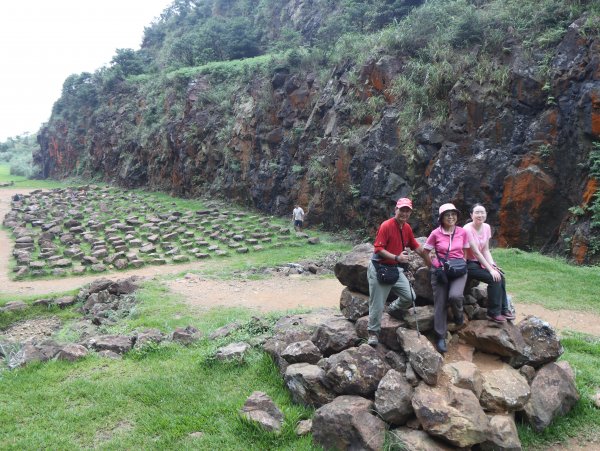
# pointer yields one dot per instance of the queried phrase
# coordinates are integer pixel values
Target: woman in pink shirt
(481, 266)
(449, 241)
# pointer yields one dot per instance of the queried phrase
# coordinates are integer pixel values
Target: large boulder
(334, 335)
(348, 423)
(503, 434)
(302, 352)
(353, 305)
(422, 356)
(504, 389)
(542, 343)
(452, 414)
(355, 371)
(404, 438)
(464, 374)
(261, 409)
(306, 383)
(553, 393)
(421, 317)
(422, 283)
(351, 270)
(387, 333)
(393, 398)
(291, 329)
(504, 339)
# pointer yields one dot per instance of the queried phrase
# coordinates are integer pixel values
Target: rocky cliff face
(292, 136)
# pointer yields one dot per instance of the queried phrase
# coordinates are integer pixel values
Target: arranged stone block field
(91, 229)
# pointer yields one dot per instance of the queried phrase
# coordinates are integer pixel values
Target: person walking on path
(298, 218)
(481, 266)
(394, 236)
(449, 242)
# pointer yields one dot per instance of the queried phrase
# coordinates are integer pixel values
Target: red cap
(404, 202)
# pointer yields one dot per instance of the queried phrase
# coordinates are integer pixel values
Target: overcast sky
(42, 42)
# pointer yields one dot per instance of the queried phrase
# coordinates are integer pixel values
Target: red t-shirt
(388, 238)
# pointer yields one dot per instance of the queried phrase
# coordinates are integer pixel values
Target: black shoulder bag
(386, 274)
(453, 267)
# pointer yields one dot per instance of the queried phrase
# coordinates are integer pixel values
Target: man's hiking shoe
(497, 318)
(440, 344)
(395, 311)
(508, 315)
(373, 339)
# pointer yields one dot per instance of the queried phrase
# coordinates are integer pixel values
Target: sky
(42, 42)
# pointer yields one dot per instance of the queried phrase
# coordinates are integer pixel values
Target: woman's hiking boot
(497, 318)
(440, 344)
(508, 315)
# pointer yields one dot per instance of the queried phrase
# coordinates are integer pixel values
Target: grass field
(538, 279)
(22, 182)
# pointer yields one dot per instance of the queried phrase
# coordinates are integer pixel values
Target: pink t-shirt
(481, 238)
(439, 240)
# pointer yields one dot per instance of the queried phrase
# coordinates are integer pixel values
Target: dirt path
(283, 293)
(276, 293)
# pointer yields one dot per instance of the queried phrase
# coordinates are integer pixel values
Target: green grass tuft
(537, 279)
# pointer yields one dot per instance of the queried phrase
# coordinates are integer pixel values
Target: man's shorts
(297, 223)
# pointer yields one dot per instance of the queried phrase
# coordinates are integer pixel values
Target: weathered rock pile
(491, 375)
(103, 303)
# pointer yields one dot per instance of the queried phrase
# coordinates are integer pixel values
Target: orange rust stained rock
(475, 111)
(579, 249)
(519, 90)
(596, 124)
(430, 167)
(595, 119)
(245, 148)
(376, 78)
(552, 120)
(176, 178)
(498, 129)
(591, 188)
(303, 195)
(342, 174)
(299, 98)
(523, 195)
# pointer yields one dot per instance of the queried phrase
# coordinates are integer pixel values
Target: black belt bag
(453, 267)
(386, 274)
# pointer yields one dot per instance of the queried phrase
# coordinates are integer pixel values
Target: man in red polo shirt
(393, 237)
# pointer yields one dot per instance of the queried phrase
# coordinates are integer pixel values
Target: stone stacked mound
(492, 374)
